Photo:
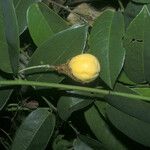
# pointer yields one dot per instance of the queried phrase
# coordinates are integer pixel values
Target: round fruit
(84, 67)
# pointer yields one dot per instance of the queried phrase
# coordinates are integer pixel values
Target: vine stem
(121, 5)
(50, 104)
(102, 92)
(37, 67)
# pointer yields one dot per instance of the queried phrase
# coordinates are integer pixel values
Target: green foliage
(138, 109)
(106, 44)
(101, 129)
(4, 95)
(137, 47)
(70, 103)
(42, 107)
(142, 1)
(21, 7)
(35, 131)
(58, 49)
(43, 22)
(11, 35)
(130, 126)
(4, 55)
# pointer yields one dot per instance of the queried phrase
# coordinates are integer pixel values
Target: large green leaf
(130, 126)
(4, 95)
(70, 103)
(136, 108)
(106, 43)
(102, 130)
(11, 32)
(21, 7)
(35, 131)
(49, 23)
(141, 1)
(136, 42)
(4, 55)
(58, 49)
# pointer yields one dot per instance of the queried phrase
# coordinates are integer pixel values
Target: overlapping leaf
(21, 7)
(80, 145)
(11, 33)
(137, 45)
(70, 103)
(43, 22)
(94, 144)
(130, 126)
(58, 49)
(102, 130)
(145, 91)
(123, 78)
(35, 131)
(106, 43)
(135, 108)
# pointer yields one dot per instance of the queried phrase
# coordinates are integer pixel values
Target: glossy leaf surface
(106, 43)
(35, 131)
(43, 22)
(136, 42)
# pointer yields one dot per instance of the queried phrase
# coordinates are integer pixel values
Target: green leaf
(137, 130)
(131, 11)
(21, 7)
(4, 95)
(106, 43)
(11, 32)
(94, 144)
(49, 24)
(142, 1)
(71, 102)
(143, 91)
(35, 131)
(80, 145)
(102, 130)
(124, 79)
(60, 143)
(136, 42)
(58, 49)
(135, 108)
(4, 55)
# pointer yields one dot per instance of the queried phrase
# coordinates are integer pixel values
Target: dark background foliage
(41, 109)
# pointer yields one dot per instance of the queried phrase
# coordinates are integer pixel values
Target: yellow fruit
(84, 67)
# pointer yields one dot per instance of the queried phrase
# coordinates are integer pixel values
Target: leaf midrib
(109, 33)
(33, 135)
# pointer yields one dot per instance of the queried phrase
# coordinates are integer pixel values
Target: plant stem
(73, 128)
(39, 66)
(121, 5)
(17, 109)
(50, 104)
(13, 105)
(102, 92)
